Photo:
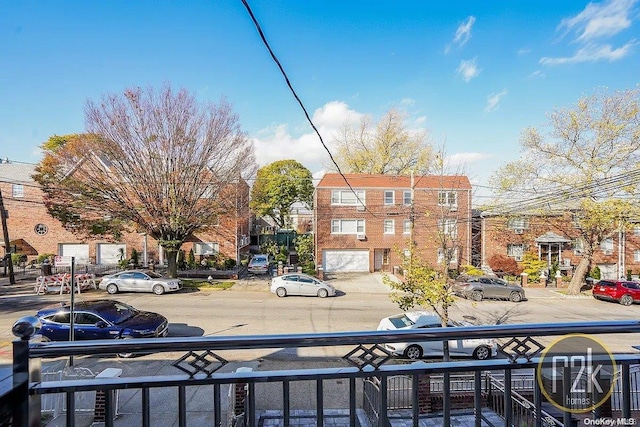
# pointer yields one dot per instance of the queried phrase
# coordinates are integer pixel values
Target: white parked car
(139, 281)
(480, 349)
(301, 284)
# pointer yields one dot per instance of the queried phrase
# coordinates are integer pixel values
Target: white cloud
(460, 161)
(468, 69)
(596, 23)
(420, 121)
(600, 19)
(536, 75)
(524, 51)
(406, 102)
(463, 33)
(493, 100)
(277, 143)
(592, 53)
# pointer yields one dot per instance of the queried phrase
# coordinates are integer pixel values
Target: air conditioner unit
(453, 209)
(518, 258)
(361, 236)
(608, 252)
(518, 230)
(360, 208)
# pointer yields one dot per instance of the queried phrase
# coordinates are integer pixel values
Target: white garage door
(337, 261)
(79, 251)
(110, 253)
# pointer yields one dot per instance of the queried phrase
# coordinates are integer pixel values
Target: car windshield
(118, 312)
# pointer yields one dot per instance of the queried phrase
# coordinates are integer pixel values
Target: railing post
(27, 411)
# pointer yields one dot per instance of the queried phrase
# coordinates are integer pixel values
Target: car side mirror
(101, 324)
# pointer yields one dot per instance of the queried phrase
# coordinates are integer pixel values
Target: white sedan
(301, 284)
(480, 349)
(139, 281)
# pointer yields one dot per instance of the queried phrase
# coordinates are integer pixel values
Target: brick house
(364, 228)
(32, 231)
(556, 240)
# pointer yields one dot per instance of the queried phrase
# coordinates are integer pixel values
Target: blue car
(100, 319)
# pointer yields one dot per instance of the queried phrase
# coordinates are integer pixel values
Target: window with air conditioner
(406, 226)
(17, 190)
(205, 248)
(636, 230)
(347, 226)
(516, 251)
(636, 255)
(406, 198)
(578, 246)
(389, 226)
(518, 224)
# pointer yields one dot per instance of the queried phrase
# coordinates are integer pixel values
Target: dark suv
(623, 291)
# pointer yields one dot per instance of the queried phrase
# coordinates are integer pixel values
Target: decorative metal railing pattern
(362, 376)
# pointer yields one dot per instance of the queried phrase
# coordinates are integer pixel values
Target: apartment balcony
(333, 379)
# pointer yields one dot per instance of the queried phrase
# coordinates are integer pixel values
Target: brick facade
(33, 231)
(387, 203)
(619, 254)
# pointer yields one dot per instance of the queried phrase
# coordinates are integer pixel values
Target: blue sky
(473, 74)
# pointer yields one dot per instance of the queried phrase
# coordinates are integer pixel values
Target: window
(448, 227)
(87, 319)
(347, 226)
(389, 196)
(452, 254)
(578, 246)
(205, 248)
(515, 251)
(17, 190)
(406, 226)
(518, 223)
(447, 198)
(636, 255)
(406, 198)
(607, 246)
(41, 229)
(389, 226)
(636, 230)
(347, 197)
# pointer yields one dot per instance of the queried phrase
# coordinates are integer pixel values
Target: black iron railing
(356, 385)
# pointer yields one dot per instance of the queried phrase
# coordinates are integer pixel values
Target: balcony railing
(357, 383)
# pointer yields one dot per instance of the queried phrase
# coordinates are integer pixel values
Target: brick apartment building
(364, 228)
(32, 231)
(555, 239)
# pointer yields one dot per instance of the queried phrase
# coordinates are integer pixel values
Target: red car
(622, 291)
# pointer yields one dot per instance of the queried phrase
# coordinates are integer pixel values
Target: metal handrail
(329, 339)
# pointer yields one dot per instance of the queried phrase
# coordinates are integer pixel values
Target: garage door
(79, 251)
(343, 261)
(110, 253)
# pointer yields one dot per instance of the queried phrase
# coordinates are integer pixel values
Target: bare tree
(154, 161)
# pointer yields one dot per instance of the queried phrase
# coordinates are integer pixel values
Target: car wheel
(626, 300)
(413, 352)
(281, 292)
(482, 352)
(158, 289)
(112, 288)
(515, 297)
(322, 293)
(125, 355)
(476, 295)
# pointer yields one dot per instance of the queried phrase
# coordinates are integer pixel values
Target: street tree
(278, 186)
(152, 161)
(586, 163)
(386, 147)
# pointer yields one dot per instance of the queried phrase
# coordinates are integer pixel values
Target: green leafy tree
(422, 286)
(277, 187)
(304, 245)
(153, 161)
(386, 147)
(586, 163)
(191, 259)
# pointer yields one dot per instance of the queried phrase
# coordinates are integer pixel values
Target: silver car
(139, 281)
(301, 284)
(478, 288)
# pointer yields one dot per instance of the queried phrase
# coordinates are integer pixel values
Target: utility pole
(7, 247)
